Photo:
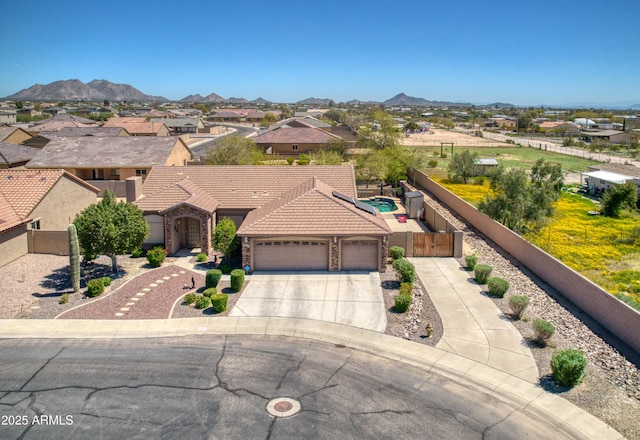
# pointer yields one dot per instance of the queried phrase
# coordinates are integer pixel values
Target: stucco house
(294, 138)
(180, 125)
(111, 158)
(139, 126)
(13, 135)
(36, 200)
(603, 176)
(288, 218)
(60, 121)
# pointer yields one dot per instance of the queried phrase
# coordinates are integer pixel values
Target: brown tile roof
(249, 187)
(136, 127)
(182, 193)
(295, 135)
(25, 189)
(312, 209)
(57, 122)
(12, 153)
(98, 151)
(87, 131)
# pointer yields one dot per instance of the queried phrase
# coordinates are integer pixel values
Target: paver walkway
(473, 325)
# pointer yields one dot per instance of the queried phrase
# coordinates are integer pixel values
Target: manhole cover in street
(283, 407)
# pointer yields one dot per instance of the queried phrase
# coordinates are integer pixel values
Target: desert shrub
(225, 268)
(518, 304)
(396, 252)
(406, 288)
(497, 286)
(210, 292)
(290, 160)
(432, 163)
(212, 278)
(568, 367)
(190, 298)
(405, 269)
(482, 272)
(219, 302)
(543, 330)
(106, 281)
(402, 303)
(202, 302)
(443, 155)
(94, 287)
(137, 253)
(64, 298)
(478, 181)
(202, 257)
(237, 280)
(156, 256)
(471, 260)
(628, 300)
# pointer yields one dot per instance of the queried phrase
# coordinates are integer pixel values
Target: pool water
(382, 204)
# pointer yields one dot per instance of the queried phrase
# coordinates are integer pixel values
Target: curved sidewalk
(473, 325)
(507, 387)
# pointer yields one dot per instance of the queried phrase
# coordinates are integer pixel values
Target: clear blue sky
(521, 52)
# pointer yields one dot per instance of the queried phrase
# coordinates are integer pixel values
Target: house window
(115, 172)
(142, 173)
(294, 147)
(98, 174)
(35, 225)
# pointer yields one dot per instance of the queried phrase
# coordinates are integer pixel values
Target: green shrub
(497, 286)
(543, 330)
(190, 298)
(396, 252)
(202, 257)
(137, 253)
(303, 161)
(156, 256)
(405, 269)
(94, 287)
(478, 181)
(432, 163)
(518, 304)
(219, 302)
(202, 302)
(402, 303)
(482, 272)
(106, 281)
(568, 367)
(209, 292)
(290, 160)
(237, 280)
(64, 298)
(212, 278)
(406, 288)
(628, 300)
(225, 268)
(471, 260)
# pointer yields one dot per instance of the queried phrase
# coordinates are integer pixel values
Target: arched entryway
(187, 227)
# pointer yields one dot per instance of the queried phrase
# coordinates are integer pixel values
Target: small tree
(111, 228)
(224, 236)
(234, 150)
(618, 197)
(462, 165)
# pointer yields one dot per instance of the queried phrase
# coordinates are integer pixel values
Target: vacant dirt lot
(435, 136)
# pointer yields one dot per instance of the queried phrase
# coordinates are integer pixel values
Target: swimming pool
(381, 203)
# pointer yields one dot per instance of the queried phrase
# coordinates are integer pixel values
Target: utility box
(414, 203)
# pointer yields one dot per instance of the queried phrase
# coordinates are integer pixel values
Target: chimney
(134, 188)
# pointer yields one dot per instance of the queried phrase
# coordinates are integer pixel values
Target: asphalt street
(219, 387)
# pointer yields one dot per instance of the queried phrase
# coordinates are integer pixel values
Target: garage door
(291, 255)
(360, 255)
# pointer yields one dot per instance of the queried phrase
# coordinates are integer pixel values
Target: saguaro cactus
(74, 257)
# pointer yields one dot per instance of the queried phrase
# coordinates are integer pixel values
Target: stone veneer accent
(384, 253)
(246, 252)
(206, 226)
(334, 255)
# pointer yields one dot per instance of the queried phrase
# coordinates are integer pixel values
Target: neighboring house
(7, 116)
(293, 139)
(111, 158)
(46, 200)
(12, 155)
(13, 135)
(227, 116)
(501, 122)
(613, 136)
(483, 166)
(139, 126)
(180, 125)
(289, 218)
(601, 177)
(57, 122)
(560, 126)
(90, 131)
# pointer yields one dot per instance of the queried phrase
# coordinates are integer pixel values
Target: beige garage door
(291, 255)
(360, 255)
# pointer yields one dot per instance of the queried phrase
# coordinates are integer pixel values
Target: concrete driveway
(350, 298)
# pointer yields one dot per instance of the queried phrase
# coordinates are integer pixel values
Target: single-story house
(560, 126)
(13, 135)
(501, 122)
(483, 166)
(288, 218)
(292, 139)
(12, 155)
(613, 136)
(45, 137)
(37, 200)
(59, 121)
(181, 125)
(139, 126)
(601, 177)
(96, 158)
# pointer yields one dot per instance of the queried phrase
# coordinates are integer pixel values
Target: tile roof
(296, 135)
(177, 122)
(8, 216)
(99, 151)
(182, 193)
(135, 127)
(57, 122)
(250, 186)
(87, 131)
(312, 209)
(12, 153)
(6, 131)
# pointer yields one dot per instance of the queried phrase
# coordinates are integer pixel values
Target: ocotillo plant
(74, 257)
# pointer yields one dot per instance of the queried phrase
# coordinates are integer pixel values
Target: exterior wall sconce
(335, 239)
(384, 239)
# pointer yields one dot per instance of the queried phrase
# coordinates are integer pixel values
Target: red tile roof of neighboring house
(311, 209)
(247, 187)
(296, 135)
